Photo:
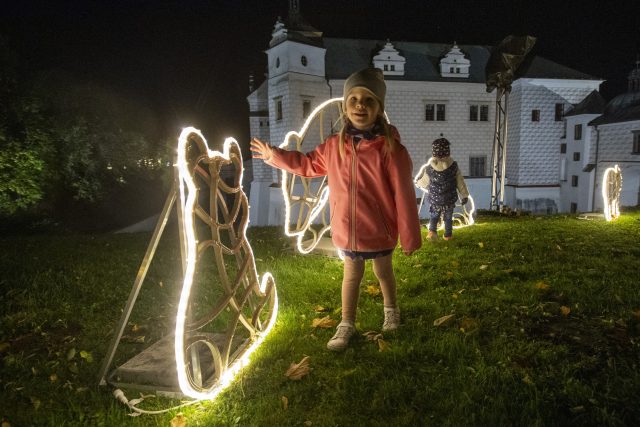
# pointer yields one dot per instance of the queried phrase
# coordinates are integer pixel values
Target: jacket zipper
(353, 197)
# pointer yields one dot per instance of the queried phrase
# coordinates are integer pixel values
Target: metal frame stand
(142, 273)
(499, 155)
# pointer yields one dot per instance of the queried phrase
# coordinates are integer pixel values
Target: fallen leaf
(577, 409)
(508, 270)
(86, 356)
(308, 423)
(372, 335)
(558, 247)
(53, 378)
(71, 353)
(6, 424)
(454, 296)
(35, 402)
(468, 323)
(481, 244)
(417, 266)
(285, 402)
(455, 264)
(319, 309)
(179, 420)
(337, 310)
(565, 310)
(441, 321)
(324, 322)
(298, 370)
(449, 274)
(382, 345)
(373, 290)
(542, 286)
(484, 267)
(527, 380)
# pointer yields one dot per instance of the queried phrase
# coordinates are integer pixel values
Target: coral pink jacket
(371, 193)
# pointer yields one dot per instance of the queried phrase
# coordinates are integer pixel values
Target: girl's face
(362, 108)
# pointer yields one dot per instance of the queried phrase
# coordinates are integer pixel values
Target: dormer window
(454, 64)
(389, 61)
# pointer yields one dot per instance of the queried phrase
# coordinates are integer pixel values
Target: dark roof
(344, 56)
(537, 67)
(594, 103)
(622, 108)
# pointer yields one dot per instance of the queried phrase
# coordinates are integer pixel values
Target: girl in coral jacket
(371, 194)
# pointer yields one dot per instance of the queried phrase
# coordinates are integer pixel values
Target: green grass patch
(544, 330)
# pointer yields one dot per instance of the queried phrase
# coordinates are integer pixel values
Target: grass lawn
(544, 330)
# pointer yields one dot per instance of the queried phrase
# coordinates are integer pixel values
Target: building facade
(432, 90)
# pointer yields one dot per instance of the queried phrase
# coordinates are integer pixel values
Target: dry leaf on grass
(179, 420)
(484, 267)
(320, 309)
(565, 310)
(373, 290)
(542, 286)
(455, 264)
(481, 244)
(298, 370)
(382, 345)
(308, 423)
(372, 335)
(285, 402)
(441, 321)
(324, 322)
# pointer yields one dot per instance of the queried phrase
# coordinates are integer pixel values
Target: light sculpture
(305, 199)
(461, 218)
(216, 213)
(611, 189)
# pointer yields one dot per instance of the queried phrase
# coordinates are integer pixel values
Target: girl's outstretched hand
(261, 150)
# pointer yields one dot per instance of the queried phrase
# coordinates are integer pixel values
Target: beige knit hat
(369, 78)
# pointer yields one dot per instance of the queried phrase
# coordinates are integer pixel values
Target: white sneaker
(391, 319)
(340, 340)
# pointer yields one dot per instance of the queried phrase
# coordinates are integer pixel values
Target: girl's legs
(352, 276)
(434, 218)
(353, 272)
(383, 269)
(447, 217)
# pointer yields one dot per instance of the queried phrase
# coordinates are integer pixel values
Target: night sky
(188, 62)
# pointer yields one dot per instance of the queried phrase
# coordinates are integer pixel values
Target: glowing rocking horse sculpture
(611, 189)
(306, 198)
(224, 311)
(215, 232)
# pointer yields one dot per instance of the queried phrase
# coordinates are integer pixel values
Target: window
(577, 132)
(559, 112)
(484, 113)
(477, 165)
(574, 180)
(636, 142)
(435, 112)
(430, 112)
(475, 109)
(574, 207)
(277, 62)
(563, 148)
(306, 108)
(535, 115)
(393, 67)
(576, 156)
(473, 113)
(451, 70)
(278, 109)
(386, 67)
(303, 60)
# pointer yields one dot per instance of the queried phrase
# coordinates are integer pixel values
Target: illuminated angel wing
(611, 189)
(462, 214)
(306, 210)
(224, 310)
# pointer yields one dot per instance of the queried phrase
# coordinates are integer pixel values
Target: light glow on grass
(189, 202)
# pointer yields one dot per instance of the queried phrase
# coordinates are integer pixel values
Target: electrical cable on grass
(131, 404)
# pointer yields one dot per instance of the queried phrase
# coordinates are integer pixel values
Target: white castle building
(440, 89)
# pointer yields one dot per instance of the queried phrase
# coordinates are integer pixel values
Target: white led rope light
(188, 193)
(611, 188)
